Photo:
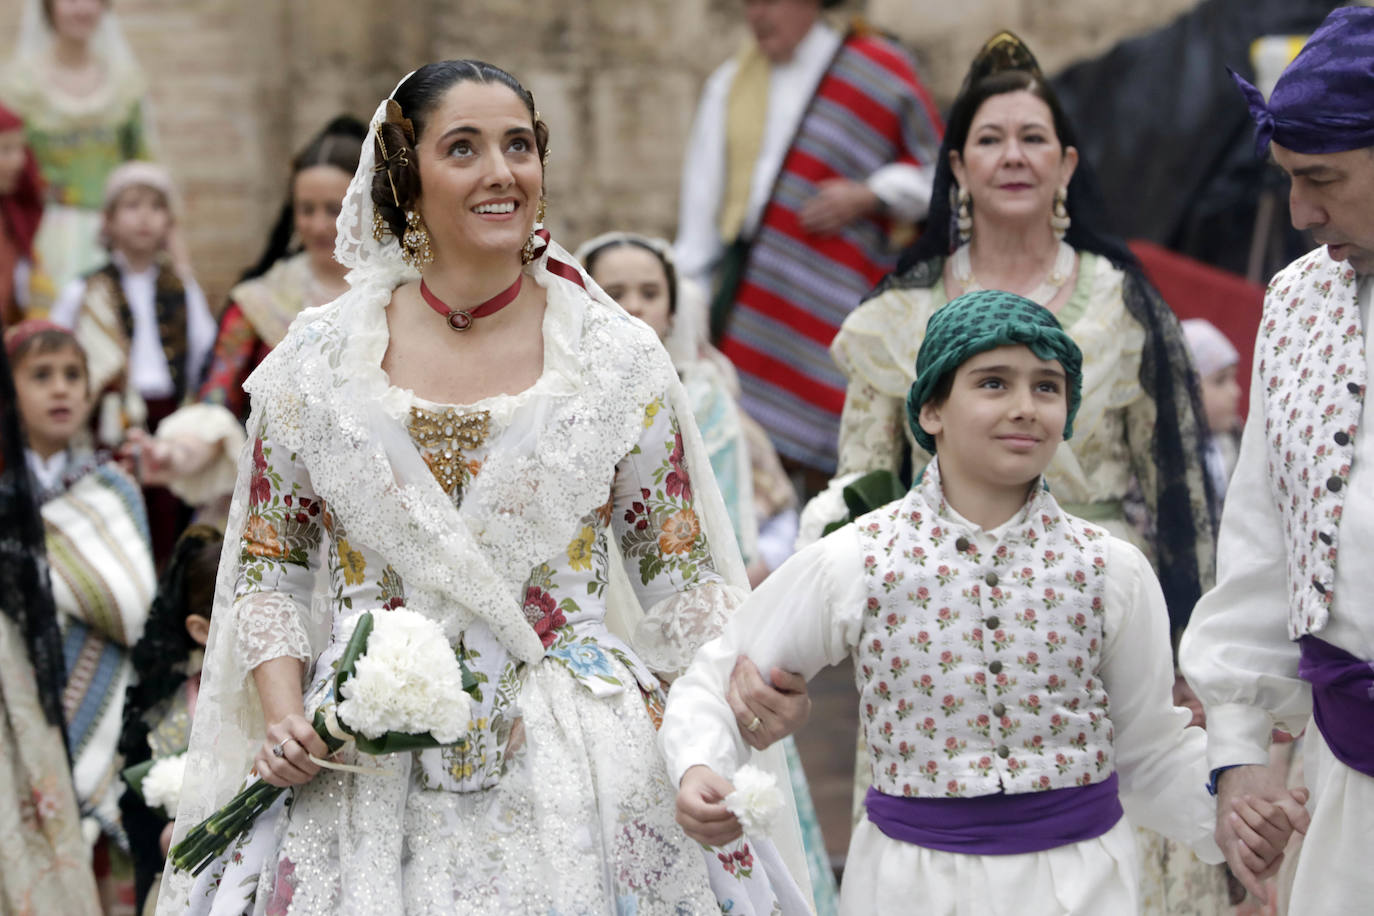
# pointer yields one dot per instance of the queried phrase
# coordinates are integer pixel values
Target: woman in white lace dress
(476, 432)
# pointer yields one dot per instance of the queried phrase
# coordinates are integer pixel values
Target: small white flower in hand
(162, 785)
(756, 799)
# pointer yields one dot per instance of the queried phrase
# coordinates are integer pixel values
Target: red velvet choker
(462, 319)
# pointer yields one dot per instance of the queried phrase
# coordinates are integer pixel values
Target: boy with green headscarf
(1013, 661)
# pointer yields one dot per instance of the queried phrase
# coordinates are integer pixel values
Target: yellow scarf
(746, 109)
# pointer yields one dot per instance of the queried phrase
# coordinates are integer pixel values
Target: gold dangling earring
(415, 249)
(380, 229)
(1059, 218)
(527, 252)
(964, 218)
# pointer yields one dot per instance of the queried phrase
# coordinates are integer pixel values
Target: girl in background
(158, 709)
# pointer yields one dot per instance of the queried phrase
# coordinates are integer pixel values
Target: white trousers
(1335, 868)
(886, 877)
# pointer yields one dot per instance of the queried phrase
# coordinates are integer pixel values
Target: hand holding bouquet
(398, 687)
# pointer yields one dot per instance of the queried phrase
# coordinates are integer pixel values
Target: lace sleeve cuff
(675, 628)
(269, 626)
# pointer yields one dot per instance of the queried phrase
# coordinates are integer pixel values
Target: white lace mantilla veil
(330, 402)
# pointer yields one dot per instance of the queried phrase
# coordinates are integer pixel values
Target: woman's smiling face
(480, 172)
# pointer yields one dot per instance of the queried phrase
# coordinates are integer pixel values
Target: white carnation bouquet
(398, 686)
(756, 799)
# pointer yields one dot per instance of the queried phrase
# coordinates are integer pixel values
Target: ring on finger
(754, 725)
(279, 749)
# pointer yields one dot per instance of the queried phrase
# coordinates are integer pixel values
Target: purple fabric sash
(1342, 701)
(999, 825)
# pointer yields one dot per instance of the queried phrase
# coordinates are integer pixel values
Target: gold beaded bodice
(444, 438)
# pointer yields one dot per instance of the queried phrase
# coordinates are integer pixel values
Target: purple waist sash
(1342, 701)
(999, 825)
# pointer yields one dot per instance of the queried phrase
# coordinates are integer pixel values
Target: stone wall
(237, 85)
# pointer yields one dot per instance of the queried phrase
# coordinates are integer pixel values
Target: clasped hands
(764, 713)
(1256, 816)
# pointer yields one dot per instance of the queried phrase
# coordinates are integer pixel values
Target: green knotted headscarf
(985, 320)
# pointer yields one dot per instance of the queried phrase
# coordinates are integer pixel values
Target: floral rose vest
(977, 672)
(1310, 359)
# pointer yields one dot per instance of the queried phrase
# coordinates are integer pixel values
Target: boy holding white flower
(1013, 661)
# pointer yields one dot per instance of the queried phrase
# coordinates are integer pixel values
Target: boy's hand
(701, 810)
(1256, 814)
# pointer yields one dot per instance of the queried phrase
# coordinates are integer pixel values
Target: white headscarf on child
(1211, 349)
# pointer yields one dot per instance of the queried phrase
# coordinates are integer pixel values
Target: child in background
(96, 533)
(145, 329)
(638, 273)
(1013, 661)
(158, 709)
(1215, 359)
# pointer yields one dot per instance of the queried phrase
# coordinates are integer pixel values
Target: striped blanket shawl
(869, 110)
(103, 583)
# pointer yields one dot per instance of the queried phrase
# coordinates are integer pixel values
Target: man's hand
(837, 203)
(1256, 814)
(766, 713)
(1187, 699)
(701, 810)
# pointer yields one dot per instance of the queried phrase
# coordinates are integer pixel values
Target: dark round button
(999, 710)
(995, 667)
(1342, 438)
(1003, 751)
(1334, 484)
(990, 578)
(993, 622)
(1352, 387)
(1324, 538)
(1315, 584)
(961, 544)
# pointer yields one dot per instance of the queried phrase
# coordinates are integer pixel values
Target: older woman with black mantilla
(473, 431)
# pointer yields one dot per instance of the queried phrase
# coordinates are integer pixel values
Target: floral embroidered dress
(569, 539)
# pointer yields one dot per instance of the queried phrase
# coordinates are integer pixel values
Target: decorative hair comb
(1003, 51)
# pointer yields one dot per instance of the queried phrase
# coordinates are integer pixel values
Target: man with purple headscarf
(1288, 632)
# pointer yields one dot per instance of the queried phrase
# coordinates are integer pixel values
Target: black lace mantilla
(25, 595)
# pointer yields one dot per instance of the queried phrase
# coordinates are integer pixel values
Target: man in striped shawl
(808, 149)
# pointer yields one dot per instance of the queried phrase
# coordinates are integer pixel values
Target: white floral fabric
(1310, 360)
(979, 672)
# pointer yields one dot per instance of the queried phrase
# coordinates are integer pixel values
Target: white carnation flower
(162, 785)
(756, 799)
(407, 681)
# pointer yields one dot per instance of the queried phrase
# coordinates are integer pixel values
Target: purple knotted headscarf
(1324, 101)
